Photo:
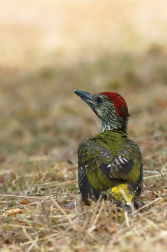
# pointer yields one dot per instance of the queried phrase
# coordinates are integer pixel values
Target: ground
(47, 50)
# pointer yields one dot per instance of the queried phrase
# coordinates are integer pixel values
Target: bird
(109, 163)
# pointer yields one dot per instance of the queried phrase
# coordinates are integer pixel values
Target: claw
(128, 208)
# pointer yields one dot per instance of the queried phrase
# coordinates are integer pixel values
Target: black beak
(87, 97)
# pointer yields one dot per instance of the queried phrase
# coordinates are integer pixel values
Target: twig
(148, 204)
(64, 213)
(96, 218)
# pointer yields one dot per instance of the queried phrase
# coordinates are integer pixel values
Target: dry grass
(42, 122)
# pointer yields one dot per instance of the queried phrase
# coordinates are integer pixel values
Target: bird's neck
(111, 125)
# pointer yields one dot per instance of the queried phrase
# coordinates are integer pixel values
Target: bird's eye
(99, 100)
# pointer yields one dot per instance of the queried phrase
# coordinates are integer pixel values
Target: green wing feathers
(107, 161)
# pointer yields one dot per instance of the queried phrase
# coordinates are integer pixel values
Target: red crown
(119, 103)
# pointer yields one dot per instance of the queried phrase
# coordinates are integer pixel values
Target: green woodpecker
(109, 162)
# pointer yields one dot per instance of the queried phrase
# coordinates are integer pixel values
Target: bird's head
(110, 107)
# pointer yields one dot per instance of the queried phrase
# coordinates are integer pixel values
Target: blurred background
(48, 48)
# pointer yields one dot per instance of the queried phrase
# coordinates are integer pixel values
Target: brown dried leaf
(25, 201)
(14, 211)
